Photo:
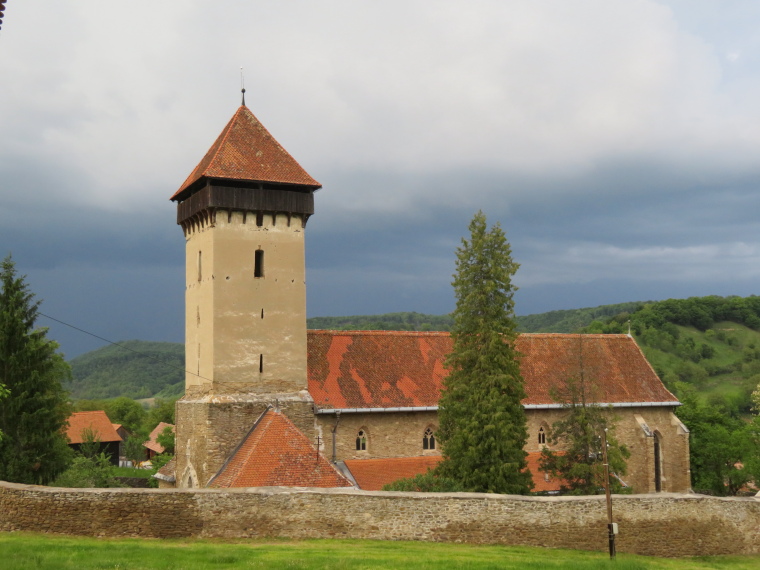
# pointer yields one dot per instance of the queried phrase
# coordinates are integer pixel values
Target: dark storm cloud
(615, 142)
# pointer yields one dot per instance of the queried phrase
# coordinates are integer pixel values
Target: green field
(24, 550)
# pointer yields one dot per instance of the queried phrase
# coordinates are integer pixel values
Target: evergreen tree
(578, 461)
(32, 417)
(482, 421)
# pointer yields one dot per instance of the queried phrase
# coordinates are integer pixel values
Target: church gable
(399, 369)
(277, 453)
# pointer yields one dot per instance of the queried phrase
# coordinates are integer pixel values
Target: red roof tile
(542, 483)
(152, 442)
(385, 369)
(96, 421)
(277, 453)
(245, 150)
(374, 474)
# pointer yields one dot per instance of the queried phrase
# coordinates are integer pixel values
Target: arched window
(541, 436)
(361, 441)
(428, 439)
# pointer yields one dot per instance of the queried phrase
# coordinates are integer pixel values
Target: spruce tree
(32, 417)
(482, 421)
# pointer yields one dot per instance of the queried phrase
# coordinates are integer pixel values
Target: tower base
(210, 428)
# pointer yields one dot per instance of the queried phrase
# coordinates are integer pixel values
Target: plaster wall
(245, 333)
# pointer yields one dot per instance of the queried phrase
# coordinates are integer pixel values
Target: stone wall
(661, 525)
(399, 434)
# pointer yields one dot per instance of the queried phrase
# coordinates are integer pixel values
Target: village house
(94, 427)
(152, 447)
(269, 403)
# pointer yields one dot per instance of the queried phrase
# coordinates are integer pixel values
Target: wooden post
(610, 524)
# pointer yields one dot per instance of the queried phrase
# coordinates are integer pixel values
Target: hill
(135, 369)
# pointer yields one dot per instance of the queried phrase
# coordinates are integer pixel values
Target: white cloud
(134, 93)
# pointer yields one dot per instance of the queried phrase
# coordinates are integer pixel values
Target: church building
(269, 403)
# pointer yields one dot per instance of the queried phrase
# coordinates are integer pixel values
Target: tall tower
(243, 211)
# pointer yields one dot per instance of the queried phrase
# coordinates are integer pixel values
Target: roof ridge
(339, 332)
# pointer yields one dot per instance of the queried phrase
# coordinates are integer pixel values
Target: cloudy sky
(616, 141)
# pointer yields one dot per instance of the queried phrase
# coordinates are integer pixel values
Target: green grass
(25, 550)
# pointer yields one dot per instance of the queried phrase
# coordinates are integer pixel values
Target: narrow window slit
(258, 268)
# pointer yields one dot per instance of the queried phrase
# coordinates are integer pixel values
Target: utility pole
(611, 526)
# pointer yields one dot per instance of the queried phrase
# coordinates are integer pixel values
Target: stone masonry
(657, 525)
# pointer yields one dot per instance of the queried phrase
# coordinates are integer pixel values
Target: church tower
(243, 211)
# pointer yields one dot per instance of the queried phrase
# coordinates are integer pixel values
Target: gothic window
(361, 441)
(541, 436)
(428, 439)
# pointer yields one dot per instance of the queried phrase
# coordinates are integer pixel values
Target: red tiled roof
(245, 150)
(277, 453)
(374, 474)
(541, 481)
(152, 442)
(97, 421)
(386, 369)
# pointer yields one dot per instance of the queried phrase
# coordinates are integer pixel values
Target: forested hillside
(565, 321)
(135, 369)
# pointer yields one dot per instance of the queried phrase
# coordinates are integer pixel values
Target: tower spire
(242, 85)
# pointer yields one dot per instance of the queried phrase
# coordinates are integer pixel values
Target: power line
(121, 345)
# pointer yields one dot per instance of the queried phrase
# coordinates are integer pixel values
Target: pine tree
(482, 421)
(33, 415)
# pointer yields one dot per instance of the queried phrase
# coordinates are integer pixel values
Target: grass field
(24, 550)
